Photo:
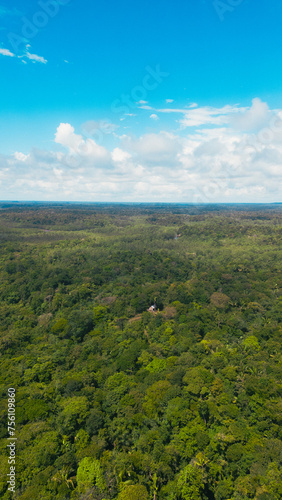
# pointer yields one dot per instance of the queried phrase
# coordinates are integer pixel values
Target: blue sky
(143, 101)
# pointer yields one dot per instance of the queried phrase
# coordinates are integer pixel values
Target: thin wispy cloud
(145, 106)
(4, 11)
(207, 115)
(238, 117)
(26, 55)
(6, 52)
(35, 58)
(171, 110)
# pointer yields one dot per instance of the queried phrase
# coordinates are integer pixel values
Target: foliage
(115, 402)
(89, 473)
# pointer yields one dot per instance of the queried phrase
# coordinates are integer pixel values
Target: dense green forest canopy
(115, 402)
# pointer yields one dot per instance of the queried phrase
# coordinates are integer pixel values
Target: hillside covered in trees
(115, 402)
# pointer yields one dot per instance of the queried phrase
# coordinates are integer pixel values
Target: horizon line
(142, 202)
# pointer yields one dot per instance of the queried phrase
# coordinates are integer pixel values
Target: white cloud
(20, 156)
(168, 101)
(6, 52)
(35, 58)
(253, 118)
(32, 57)
(215, 163)
(66, 136)
(120, 156)
(154, 149)
(172, 110)
(154, 117)
(239, 118)
(207, 116)
(86, 150)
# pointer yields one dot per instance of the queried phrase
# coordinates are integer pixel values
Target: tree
(89, 473)
(134, 492)
(190, 483)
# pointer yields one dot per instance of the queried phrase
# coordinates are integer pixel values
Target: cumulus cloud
(254, 118)
(20, 156)
(154, 149)
(87, 149)
(66, 136)
(153, 116)
(220, 162)
(120, 156)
